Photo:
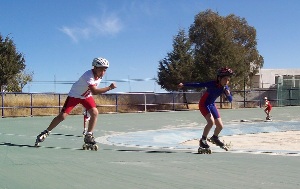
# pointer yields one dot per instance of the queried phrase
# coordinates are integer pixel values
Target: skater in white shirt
(81, 93)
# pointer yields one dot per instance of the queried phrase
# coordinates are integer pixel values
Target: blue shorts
(208, 108)
(211, 108)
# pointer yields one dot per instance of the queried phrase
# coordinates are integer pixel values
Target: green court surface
(60, 162)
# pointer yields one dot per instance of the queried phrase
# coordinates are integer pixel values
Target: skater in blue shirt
(207, 106)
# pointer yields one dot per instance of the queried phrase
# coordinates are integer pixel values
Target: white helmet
(100, 62)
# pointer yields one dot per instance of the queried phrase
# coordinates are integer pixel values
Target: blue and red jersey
(207, 101)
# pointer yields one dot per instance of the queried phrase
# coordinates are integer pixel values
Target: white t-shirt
(80, 89)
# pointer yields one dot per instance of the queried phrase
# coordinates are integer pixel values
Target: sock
(47, 131)
(89, 133)
(203, 137)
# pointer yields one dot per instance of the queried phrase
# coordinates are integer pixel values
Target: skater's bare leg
(42, 136)
(59, 118)
(204, 147)
(215, 138)
(267, 113)
(84, 125)
(94, 116)
(219, 126)
(210, 122)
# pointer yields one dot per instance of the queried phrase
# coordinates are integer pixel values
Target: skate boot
(89, 143)
(203, 147)
(41, 137)
(215, 140)
(268, 118)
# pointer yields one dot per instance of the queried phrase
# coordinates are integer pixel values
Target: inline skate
(89, 143)
(203, 147)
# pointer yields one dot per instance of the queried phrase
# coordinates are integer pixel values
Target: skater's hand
(227, 92)
(180, 85)
(112, 86)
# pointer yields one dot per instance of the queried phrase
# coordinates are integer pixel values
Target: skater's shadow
(15, 145)
(32, 146)
(67, 135)
(144, 151)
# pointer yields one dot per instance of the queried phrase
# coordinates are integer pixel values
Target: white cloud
(107, 26)
(70, 32)
(94, 27)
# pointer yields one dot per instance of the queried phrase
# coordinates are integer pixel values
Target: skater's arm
(266, 103)
(96, 90)
(227, 93)
(194, 85)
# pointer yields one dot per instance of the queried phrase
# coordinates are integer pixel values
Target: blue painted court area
(172, 138)
(143, 150)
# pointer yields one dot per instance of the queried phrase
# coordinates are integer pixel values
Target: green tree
(225, 42)
(217, 42)
(17, 83)
(178, 65)
(11, 61)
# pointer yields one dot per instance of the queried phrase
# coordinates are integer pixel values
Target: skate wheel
(84, 147)
(208, 151)
(200, 151)
(204, 150)
(95, 147)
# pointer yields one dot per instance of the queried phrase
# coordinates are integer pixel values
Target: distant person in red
(268, 108)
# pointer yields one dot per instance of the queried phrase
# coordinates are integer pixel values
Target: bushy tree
(17, 83)
(178, 65)
(217, 42)
(12, 64)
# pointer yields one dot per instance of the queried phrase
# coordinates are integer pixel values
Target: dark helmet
(224, 72)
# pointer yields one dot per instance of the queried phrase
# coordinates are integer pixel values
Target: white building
(267, 78)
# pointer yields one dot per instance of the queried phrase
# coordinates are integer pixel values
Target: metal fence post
(290, 97)
(116, 103)
(2, 97)
(31, 105)
(145, 103)
(173, 101)
(58, 103)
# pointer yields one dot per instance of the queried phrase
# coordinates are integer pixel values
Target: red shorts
(71, 102)
(269, 108)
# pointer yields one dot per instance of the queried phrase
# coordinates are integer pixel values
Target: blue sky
(59, 38)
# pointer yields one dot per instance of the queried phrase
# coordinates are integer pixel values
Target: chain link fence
(42, 104)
